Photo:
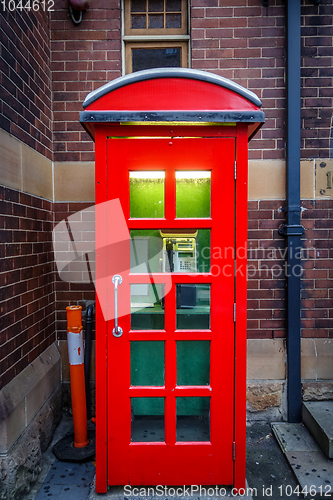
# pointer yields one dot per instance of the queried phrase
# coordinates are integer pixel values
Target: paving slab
(170, 492)
(314, 472)
(318, 418)
(312, 469)
(293, 437)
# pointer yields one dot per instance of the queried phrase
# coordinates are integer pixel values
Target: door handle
(116, 280)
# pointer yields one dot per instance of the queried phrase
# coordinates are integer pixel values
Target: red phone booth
(171, 234)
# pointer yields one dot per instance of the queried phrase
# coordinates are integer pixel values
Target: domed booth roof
(167, 95)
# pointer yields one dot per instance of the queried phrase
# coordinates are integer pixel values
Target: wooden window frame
(183, 45)
(128, 31)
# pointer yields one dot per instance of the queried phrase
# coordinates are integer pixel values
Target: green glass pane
(193, 194)
(147, 194)
(147, 309)
(193, 362)
(147, 419)
(193, 307)
(147, 363)
(193, 419)
(146, 251)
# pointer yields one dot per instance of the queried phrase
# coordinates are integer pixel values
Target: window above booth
(155, 34)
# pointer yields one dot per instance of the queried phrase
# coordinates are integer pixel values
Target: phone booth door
(171, 367)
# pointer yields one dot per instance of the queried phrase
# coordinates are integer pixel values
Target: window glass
(147, 194)
(166, 250)
(193, 362)
(147, 306)
(193, 194)
(147, 419)
(193, 307)
(147, 363)
(193, 419)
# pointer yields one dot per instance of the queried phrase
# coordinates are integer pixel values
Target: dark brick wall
(240, 40)
(266, 280)
(317, 78)
(25, 78)
(266, 269)
(27, 281)
(83, 58)
(69, 293)
(317, 296)
(244, 41)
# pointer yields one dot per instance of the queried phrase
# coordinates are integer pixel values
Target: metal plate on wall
(324, 178)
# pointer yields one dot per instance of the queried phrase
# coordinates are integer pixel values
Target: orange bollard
(74, 317)
(76, 367)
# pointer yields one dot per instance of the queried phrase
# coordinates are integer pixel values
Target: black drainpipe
(87, 356)
(293, 229)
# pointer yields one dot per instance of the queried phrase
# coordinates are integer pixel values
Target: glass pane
(156, 58)
(159, 251)
(147, 307)
(193, 194)
(193, 362)
(147, 363)
(173, 21)
(138, 21)
(155, 21)
(155, 5)
(193, 307)
(173, 5)
(147, 419)
(138, 6)
(147, 194)
(193, 419)
(146, 251)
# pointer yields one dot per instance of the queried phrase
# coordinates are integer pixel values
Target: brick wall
(266, 282)
(27, 278)
(317, 297)
(84, 57)
(69, 292)
(25, 90)
(266, 269)
(244, 41)
(317, 78)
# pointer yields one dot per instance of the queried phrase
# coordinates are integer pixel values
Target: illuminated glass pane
(156, 58)
(173, 21)
(138, 21)
(147, 363)
(147, 307)
(193, 194)
(193, 362)
(193, 419)
(147, 194)
(147, 420)
(193, 307)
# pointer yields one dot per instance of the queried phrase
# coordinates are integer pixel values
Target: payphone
(179, 252)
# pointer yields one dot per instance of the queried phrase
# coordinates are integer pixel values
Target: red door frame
(240, 133)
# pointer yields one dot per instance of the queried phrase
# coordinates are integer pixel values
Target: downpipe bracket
(291, 230)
